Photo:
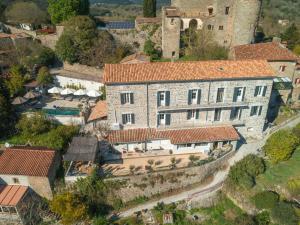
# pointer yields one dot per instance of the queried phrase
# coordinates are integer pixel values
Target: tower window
(210, 11)
(210, 27)
(221, 27)
(227, 10)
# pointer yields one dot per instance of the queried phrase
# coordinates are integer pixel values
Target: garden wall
(167, 181)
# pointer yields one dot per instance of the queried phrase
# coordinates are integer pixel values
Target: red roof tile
(27, 161)
(99, 111)
(11, 195)
(193, 135)
(186, 71)
(270, 51)
(136, 58)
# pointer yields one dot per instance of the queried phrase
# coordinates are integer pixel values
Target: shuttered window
(256, 111)
(194, 96)
(193, 114)
(239, 94)
(260, 91)
(128, 118)
(163, 98)
(127, 98)
(164, 119)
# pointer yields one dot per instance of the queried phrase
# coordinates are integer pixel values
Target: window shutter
(265, 91)
(131, 98)
(256, 91)
(167, 93)
(244, 94)
(168, 119)
(232, 113)
(252, 111)
(123, 118)
(235, 94)
(197, 114)
(260, 109)
(132, 119)
(190, 97)
(189, 114)
(122, 99)
(240, 113)
(199, 96)
(158, 121)
(158, 101)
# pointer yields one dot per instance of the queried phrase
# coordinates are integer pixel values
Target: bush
(284, 214)
(263, 218)
(281, 145)
(265, 200)
(296, 131)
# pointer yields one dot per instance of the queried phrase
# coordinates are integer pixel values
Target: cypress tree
(149, 8)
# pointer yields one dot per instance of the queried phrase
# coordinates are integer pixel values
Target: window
(220, 94)
(16, 180)
(5, 209)
(163, 98)
(173, 53)
(299, 97)
(210, 27)
(236, 113)
(239, 94)
(217, 116)
(256, 111)
(185, 146)
(210, 11)
(194, 96)
(227, 10)
(193, 114)
(172, 21)
(200, 144)
(164, 119)
(127, 98)
(282, 68)
(128, 118)
(221, 27)
(225, 41)
(260, 91)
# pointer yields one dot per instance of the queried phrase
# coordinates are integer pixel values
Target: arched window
(210, 11)
(193, 24)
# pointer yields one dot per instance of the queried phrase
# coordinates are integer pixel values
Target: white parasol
(67, 91)
(94, 94)
(55, 90)
(80, 92)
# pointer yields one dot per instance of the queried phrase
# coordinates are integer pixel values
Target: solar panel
(120, 25)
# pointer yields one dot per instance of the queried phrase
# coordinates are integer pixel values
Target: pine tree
(149, 8)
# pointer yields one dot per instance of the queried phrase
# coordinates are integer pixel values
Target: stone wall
(146, 114)
(167, 181)
(42, 186)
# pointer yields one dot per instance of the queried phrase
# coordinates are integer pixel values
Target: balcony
(210, 105)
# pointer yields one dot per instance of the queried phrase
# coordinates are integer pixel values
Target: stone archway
(193, 24)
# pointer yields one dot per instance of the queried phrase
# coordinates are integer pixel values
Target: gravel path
(219, 177)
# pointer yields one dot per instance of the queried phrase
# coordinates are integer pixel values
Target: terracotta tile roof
(270, 51)
(27, 161)
(136, 58)
(186, 71)
(10, 195)
(182, 136)
(14, 36)
(99, 111)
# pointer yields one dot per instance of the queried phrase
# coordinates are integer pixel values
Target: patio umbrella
(31, 95)
(80, 92)
(67, 91)
(19, 101)
(55, 90)
(93, 94)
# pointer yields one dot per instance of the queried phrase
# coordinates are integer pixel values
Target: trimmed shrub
(265, 200)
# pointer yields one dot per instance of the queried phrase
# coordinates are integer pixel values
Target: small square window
(16, 180)
(210, 11)
(227, 10)
(282, 68)
(221, 27)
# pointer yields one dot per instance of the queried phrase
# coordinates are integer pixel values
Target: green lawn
(280, 173)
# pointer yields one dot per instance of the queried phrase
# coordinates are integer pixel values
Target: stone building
(186, 106)
(285, 63)
(232, 22)
(32, 167)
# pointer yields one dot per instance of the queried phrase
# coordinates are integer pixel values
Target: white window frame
(128, 118)
(194, 96)
(162, 94)
(239, 98)
(162, 119)
(127, 97)
(193, 114)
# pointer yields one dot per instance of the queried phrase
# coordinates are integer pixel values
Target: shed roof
(99, 111)
(82, 149)
(11, 195)
(186, 71)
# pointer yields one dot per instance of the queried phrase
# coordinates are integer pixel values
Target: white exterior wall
(88, 85)
(69, 120)
(8, 179)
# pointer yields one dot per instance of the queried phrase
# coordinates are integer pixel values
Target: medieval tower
(232, 22)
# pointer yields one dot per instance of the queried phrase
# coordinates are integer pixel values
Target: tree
(149, 49)
(63, 10)
(16, 80)
(65, 49)
(44, 77)
(25, 12)
(263, 218)
(292, 36)
(6, 112)
(69, 207)
(280, 146)
(284, 213)
(101, 221)
(296, 49)
(265, 200)
(33, 124)
(149, 8)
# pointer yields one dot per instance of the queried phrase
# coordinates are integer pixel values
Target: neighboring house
(78, 76)
(98, 114)
(30, 166)
(186, 107)
(136, 58)
(285, 63)
(18, 205)
(83, 156)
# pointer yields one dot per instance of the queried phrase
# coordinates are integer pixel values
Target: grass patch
(281, 173)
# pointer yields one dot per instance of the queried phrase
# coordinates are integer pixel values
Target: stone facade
(233, 22)
(146, 110)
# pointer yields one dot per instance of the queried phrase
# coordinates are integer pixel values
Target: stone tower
(232, 22)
